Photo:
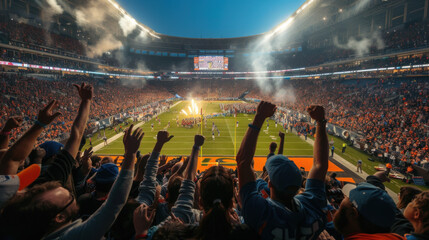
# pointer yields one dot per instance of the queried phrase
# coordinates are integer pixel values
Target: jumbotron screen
(210, 63)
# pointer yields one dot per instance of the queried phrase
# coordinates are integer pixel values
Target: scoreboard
(210, 63)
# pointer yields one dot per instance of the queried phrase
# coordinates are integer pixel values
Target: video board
(210, 63)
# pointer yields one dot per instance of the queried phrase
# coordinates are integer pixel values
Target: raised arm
(321, 145)
(22, 148)
(182, 168)
(191, 168)
(282, 142)
(141, 166)
(147, 187)
(100, 222)
(131, 143)
(248, 145)
(168, 165)
(184, 203)
(11, 123)
(85, 92)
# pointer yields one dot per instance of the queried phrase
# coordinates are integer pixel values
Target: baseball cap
(107, 173)
(51, 148)
(10, 184)
(373, 203)
(283, 172)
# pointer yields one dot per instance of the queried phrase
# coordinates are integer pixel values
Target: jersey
(272, 220)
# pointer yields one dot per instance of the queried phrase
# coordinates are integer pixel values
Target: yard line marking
(229, 130)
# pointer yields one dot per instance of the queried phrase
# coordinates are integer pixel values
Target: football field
(224, 144)
(223, 148)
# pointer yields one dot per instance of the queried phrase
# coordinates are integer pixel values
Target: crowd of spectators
(42, 60)
(249, 108)
(210, 88)
(22, 95)
(410, 36)
(38, 36)
(392, 115)
(83, 196)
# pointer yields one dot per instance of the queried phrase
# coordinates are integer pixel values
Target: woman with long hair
(219, 220)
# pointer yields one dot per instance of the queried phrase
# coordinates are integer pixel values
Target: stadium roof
(218, 19)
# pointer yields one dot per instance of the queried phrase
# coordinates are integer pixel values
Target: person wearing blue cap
(284, 215)
(367, 212)
(104, 179)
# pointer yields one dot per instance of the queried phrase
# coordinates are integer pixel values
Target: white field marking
(175, 104)
(116, 136)
(229, 130)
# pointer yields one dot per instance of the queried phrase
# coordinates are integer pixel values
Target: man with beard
(49, 210)
(367, 212)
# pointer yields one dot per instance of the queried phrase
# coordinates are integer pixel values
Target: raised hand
(265, 109)
(85, 91)
(39, 155)
(199, 140)
(162, 160)
(142, 219)
(281, 135)
(46, 115)
(316, 112)
(132, 140)
(173, 162)
(86, 161)
(141, 167)
(12, 123)
(87, 154)
(163, 137)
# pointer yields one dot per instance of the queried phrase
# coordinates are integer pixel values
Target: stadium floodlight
(285, 24)
(139, 25)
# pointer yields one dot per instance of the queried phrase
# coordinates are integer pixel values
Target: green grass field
(223, 145)
(353, 155)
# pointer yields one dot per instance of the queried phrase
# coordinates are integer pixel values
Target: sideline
(352, 168)
(115, 137)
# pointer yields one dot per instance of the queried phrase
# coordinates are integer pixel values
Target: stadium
(317, 128)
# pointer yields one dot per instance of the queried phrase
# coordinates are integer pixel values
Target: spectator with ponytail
(219, 220)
